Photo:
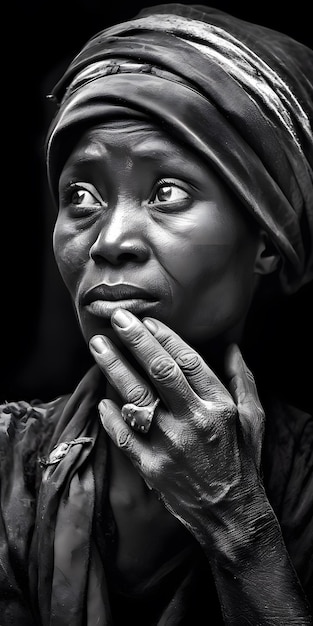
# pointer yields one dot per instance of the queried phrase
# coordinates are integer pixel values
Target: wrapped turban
(239, 94)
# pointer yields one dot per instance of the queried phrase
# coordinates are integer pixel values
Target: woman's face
(145, 225)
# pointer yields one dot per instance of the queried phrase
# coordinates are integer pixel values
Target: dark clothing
(58, 532)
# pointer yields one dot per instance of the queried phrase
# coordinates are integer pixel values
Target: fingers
(199, 375)
(148, 462)
(176, 370)
(241, 380)
(134, 390)
(244, 391)
(122, 376)
(121, 433)
(163, 371)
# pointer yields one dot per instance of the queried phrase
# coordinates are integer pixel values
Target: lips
(116, 293)
(100, 301)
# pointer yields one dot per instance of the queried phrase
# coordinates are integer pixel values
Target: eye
(169, 192)
(84, 194)
(81, 198)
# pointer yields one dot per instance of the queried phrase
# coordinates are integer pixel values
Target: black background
(42, 352)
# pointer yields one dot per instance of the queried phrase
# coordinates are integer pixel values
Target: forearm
(254, 577)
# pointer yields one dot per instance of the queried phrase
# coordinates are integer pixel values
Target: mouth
(103, 299)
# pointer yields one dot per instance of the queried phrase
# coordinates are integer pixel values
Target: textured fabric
(239, 94)
(53, 528)
(54, 560)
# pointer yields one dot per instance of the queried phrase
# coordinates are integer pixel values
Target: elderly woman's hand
(202, 452)
(202, 456)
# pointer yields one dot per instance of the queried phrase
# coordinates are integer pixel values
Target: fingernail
(122, 318)
(102, 406)
(151, 326)
(98, 344)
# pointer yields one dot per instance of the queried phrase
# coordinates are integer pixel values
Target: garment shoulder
(25, 433)
(17, 417)
(26, 429)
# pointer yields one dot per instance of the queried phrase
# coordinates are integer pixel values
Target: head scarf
(239, 94)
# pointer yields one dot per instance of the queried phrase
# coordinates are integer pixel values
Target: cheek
(201, 246)
(71, 250)
(225, 288)
(194, 266)
(213, 272)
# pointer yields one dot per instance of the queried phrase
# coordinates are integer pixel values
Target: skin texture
(184, 241)
(138, 209)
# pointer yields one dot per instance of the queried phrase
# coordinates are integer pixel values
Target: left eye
(169, 193)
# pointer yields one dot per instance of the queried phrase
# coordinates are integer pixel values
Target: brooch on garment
(60, 450)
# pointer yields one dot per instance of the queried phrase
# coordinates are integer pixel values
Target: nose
(120, 236)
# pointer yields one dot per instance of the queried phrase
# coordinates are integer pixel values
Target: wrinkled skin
(195, 455)
(137, 209)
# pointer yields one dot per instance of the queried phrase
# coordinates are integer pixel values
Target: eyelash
(167, 182)
(67, 195)
(66, 198)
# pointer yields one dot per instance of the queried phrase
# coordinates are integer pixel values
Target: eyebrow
(145, 145)
(145, 151)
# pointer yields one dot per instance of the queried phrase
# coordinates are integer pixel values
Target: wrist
(243, 531)
(252, 563)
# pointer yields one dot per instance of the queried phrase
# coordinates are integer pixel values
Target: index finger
(200, 376)
(171, 362)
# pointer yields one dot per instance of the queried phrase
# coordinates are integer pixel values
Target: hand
(202, 452)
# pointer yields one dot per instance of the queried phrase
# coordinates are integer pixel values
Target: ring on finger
(139, 417)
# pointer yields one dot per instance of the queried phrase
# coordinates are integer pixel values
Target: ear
(267, 257)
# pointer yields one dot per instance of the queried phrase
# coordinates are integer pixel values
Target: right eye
(81, 198)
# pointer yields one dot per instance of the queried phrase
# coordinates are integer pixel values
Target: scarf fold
(64, 570)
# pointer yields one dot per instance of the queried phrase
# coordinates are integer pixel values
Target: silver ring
(139, 417)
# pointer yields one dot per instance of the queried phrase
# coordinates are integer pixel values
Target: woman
(171, 487)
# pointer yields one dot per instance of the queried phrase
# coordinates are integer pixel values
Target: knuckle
(136, 336)
(164, 368)
(224, 407)
(140, 395)
(123, 438)
(158, 467)
(228, 410)
(173, 436)
(202, 420)
(111, 364)
(189, 361)
(167, 341)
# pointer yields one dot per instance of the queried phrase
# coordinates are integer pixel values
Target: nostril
(119, 250)
(126, 256)
(116, 259)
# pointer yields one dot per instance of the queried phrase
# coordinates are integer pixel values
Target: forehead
(141, 138)
(138, 150)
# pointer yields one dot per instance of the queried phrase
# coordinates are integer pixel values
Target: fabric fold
(61, 544)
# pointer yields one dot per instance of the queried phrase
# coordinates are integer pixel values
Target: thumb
(242, 386)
